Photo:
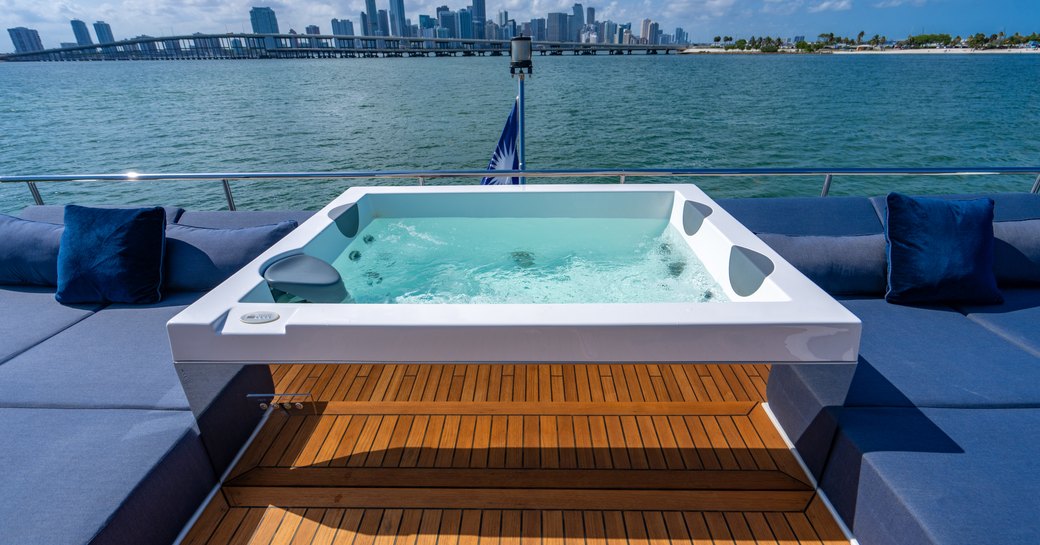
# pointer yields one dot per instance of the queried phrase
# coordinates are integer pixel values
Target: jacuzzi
(759, 308)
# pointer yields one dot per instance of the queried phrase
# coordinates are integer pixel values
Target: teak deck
(519, 455)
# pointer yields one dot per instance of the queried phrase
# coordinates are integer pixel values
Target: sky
(703, 19)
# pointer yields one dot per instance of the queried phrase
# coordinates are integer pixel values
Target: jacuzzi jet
(374, 278)
(523, 259)
(676, 268)
(368, 239)
(665, 248)
(708, 295)
(354, 255)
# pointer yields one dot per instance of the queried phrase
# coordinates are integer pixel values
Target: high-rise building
(104, 32)
(644, 30)
(556, 27)
(425, 21)
(464, 24)
(79, 28)
(479, 18)
(654, 35)
(503, 16)
(372, 29)
(312, 29)
(384, 23)
(262, 19)
(446, 21)
(398, 26)
(364, 24)
(343, 27)
(538, 30)
(681, 37)
(577, 23)
(26, 40)
(590, 15)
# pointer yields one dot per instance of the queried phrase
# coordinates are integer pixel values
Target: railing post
(38, 199)
(622, 179)
(826, 186)
(228, 196)
(1036, 185)
(422, 181)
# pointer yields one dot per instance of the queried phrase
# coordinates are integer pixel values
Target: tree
(718, 39)
(741, 44)
(727, 39)
(859, 37)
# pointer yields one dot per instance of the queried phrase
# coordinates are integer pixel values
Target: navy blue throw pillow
(199, 258)
(28, 252)
(111, 255)
(940, 251)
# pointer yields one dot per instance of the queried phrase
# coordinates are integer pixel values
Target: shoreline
(950, 51)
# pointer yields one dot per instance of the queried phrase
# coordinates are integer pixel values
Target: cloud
(781, 7)
(832, 5)
(898, 3)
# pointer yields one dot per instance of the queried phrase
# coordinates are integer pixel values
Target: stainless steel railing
(424, 176)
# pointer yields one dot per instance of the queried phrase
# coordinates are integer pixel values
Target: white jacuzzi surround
(772, 318)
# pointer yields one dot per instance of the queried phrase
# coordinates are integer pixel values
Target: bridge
(314, 46)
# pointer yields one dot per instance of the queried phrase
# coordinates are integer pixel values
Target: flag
(505, 156)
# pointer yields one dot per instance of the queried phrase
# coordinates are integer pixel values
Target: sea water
(617, 111)
(523, 260)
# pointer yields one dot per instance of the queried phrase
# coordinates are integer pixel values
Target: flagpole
(520, 127)
(520, 59)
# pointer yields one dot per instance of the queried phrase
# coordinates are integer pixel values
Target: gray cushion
(55, 213)
(30, 315)
(99, 477)
(1016, 252)
(1017, 320)
(937, 476)
(117, 358)
(28, 252)
(806, 216)
(937, 357)
(852, 265)
(237, 219)
(199, 258)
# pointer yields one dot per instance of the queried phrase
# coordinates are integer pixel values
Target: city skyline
(701, 19)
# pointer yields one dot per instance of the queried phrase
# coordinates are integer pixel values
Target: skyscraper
(464, 20)
(263, 21)
(577, 23)
(79, 28)
(104, 32)
(365, 26)
(312, 29)
(342, 27)
(384, 23)
(538, 30)
(446, 22)
(479, 18)
(503, 16)
(26, 40)
(556, 27)
(644, 30)
(654, 36)
(590, 15)
(398, 27)
(373, 18)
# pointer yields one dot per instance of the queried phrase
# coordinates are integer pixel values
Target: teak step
(496, 498)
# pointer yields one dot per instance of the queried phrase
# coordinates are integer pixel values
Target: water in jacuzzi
(523, 260)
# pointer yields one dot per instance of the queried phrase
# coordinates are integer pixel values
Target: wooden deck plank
(206, 524)
(536, 408)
